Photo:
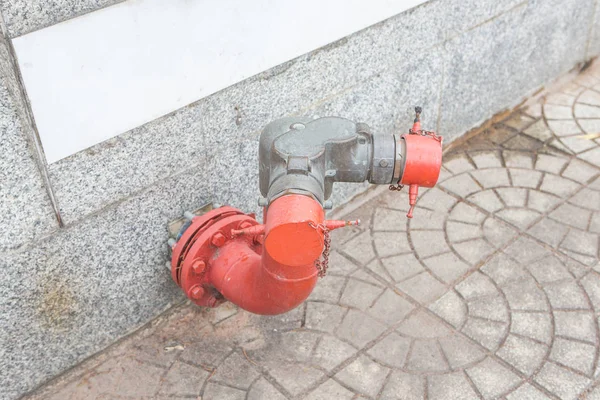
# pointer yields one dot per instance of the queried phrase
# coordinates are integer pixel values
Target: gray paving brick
(402, 386)
(454, 386)
(391, 350)
(566, 295)
(564, 127)
(429, 243)
(518, 159)
(486, 159)
(549, 163)
(525, 250)
(581, 242)
(423, 287)
(518, 121)
(390, 243)
(387, 220)
(527, 392)
(489, 334)
(331, 352)
(591, 284)
(524, 354)
(525, 295)
(451, 308)
(492, 308)
(462, 185)
(542, 202)
(360, 248)
(492, 379)
(525, 177)
(328, 289)
(578, 144)
(549, 231)
(576, 355)
(476, 285)
(520, 217)
(559, 186)
(294, 377)
(323, 316)
(459, 351)
(591, 156)
(560, 381)
(425, 219)
(422, 325)
(552, 111)
(503, 270)
(513, 197)
(487, 199)
(466, 213)
(447, 266)
(214, 391)
(535, 325)
(549, 269)
(359, 329)
(575, 324)
(364, 375)
(390, 307)
(402, 267)
(474, 251)
(330, 390)
(539, 131)
(262, 389)
(498, 233)
(595, 223)
(587, 198)
(562, 99)
(459, 231)
(572, 215)
(491, 177)
(458, 164)
(360, 294)
(425, 356)
(183, 380)
(580, 171)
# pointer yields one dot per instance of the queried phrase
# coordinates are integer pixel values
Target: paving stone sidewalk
(491, 291)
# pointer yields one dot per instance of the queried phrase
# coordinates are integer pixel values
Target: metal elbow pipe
(265, 269)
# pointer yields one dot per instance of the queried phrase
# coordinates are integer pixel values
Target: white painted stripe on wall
(99, 75)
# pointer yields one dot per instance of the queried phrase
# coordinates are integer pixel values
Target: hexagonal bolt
(171, 242)
(244, 225)
(212, 302)
(218, 239)
(168, 265)
(188, 215)
(196, 292)
(198, 267)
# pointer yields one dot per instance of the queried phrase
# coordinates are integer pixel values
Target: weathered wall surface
(68, 290)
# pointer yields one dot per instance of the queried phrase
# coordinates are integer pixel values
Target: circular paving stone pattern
(573, 117)
(491, 291)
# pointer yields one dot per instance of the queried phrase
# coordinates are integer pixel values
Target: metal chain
(396, 188)
(322, 265)
(422, 132)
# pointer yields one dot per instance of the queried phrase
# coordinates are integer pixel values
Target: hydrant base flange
(196, 246)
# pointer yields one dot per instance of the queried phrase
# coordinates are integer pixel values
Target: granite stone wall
(83, 240)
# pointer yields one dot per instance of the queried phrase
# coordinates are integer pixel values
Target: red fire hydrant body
(226, 254)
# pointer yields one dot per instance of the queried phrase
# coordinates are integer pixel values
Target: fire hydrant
(271, 268)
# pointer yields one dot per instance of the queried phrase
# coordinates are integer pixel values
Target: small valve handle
(413, 193)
